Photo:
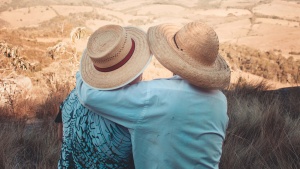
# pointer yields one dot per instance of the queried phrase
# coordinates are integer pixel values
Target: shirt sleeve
(124, 106)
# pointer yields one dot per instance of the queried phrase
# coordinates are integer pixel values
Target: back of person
(182, 126)
(91, 141)
(173, 124)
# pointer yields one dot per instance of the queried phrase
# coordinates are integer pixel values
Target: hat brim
(123, 75)
(162, 45)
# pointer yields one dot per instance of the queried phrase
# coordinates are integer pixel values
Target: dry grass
(271, 65)
(263, 133)
(264, 128)
(28, 132)
(25, 146)
(18, 108)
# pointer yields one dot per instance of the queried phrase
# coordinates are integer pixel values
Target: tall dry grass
(25, 146)
(28, 132)
(264, 128)
(263, 133)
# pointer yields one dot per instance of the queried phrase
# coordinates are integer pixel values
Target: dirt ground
(36, 27)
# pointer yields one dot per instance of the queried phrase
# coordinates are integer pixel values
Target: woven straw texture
(106, 47)
(190, 52)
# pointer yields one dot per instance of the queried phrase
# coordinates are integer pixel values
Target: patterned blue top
(173, 124)
(91, 141)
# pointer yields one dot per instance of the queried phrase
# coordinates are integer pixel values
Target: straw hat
(114, 57)
(190, 52)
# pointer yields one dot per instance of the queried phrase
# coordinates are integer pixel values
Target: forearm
(120, 106)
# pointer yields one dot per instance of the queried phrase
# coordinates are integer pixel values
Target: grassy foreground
(263, 133)
(264, 128)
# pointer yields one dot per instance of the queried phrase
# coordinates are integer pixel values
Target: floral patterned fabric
(91, 141)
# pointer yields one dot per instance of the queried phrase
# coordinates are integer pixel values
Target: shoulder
(162, 83)
(179, 85)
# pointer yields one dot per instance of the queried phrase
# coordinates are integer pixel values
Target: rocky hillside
(41, 42)
(270, 65)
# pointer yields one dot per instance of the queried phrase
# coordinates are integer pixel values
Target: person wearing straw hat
(177, 122)
(90, 140)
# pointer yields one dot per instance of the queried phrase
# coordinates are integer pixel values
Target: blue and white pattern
(91, 141)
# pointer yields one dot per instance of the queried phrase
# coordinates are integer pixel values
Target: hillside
(41, 42)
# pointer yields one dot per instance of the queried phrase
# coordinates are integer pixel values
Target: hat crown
(108, 45)
(199, 42)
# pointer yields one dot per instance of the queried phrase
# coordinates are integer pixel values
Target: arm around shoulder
(123, 105)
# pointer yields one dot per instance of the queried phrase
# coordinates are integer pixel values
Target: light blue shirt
(173, 124)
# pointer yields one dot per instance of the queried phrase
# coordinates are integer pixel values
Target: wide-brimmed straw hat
(191, 52)
(114, 57)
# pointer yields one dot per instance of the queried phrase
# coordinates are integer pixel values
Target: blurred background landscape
(41, 43)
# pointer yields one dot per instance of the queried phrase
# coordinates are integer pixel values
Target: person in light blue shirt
(174, 123)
